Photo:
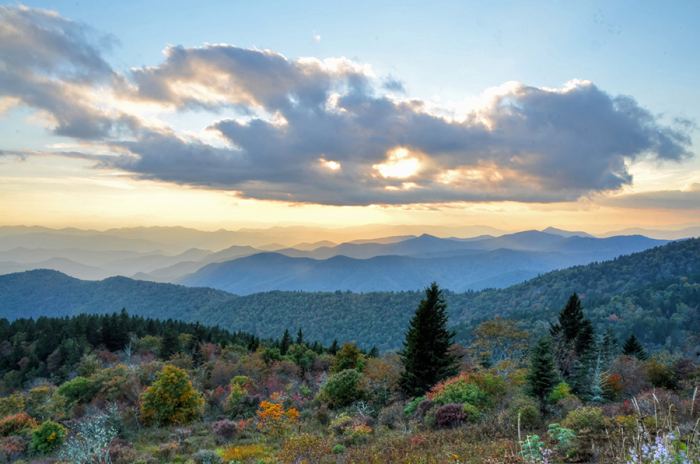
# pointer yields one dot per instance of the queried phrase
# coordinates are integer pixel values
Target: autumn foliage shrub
(304, 448)
(171, 400)
(273, 418)
(244, 452)
(224, 429)
(450, 415)
(16, 424)
(11, 448)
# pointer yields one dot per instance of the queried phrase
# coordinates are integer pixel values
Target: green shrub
(565, 438)
(661, 375)
(460, 392)
(11, 404)
(338, 449)
(206, 457)
(471, 412)
(412, 405)
(342, 388)
(48, 437)
(78, 390)
(585, 419)
(525, 410)
(559, 392)
(480, 390)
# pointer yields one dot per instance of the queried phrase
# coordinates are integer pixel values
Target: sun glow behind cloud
(400, 164)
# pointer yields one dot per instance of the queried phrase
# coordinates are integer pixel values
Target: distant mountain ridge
(410, 264)
(151, 255)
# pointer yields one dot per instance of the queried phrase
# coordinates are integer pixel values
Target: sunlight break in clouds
(279, 119)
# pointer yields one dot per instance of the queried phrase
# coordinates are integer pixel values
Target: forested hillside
(655, 294)
(50, 293)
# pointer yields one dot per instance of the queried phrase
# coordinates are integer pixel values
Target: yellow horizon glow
(63, 192)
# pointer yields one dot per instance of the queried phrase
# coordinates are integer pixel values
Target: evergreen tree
(426, 357)
(285, 343)
(574, 345)
(570, 319)
(541, 376)
(608, 348)
(597, 383)
(585, 339)
(253, 344)
(170, 344)
(300, 337)
(632, 347)
(334, 347)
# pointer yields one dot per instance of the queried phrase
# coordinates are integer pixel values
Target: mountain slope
(51, 293)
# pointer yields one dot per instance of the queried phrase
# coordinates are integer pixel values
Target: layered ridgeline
(390, 263)
(654, 294)
(411, 263)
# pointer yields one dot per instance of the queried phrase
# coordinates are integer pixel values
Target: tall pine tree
(542, 375)
(570, 320)
(632, 347)
(426, 357)
(285, 343)
(608, 348)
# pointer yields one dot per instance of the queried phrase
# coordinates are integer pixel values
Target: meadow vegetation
(121, 389)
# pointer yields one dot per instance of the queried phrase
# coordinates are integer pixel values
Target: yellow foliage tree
(171, 400)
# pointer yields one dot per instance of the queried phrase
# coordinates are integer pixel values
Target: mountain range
(393, 262)
(409, 264)
(654, 294)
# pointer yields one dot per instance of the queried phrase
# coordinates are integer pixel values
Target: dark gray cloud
(327, 131)
(662, 199)
(530, 144)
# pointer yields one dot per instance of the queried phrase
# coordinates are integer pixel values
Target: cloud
(49, 63)
(330, 131)
(663, 199)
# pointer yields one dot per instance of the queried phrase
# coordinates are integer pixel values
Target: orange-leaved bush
(171, 400)
(274, 418)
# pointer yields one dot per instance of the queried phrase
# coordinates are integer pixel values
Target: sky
(515, 115)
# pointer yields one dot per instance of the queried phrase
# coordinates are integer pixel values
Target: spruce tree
(170, 344)
(596, 390)
(285, 343)
(542, 375)
(608, 348)
(570, 319)
(632, 347)
(426, 357)
(300, 337)
(334, 347)
(585, 339)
